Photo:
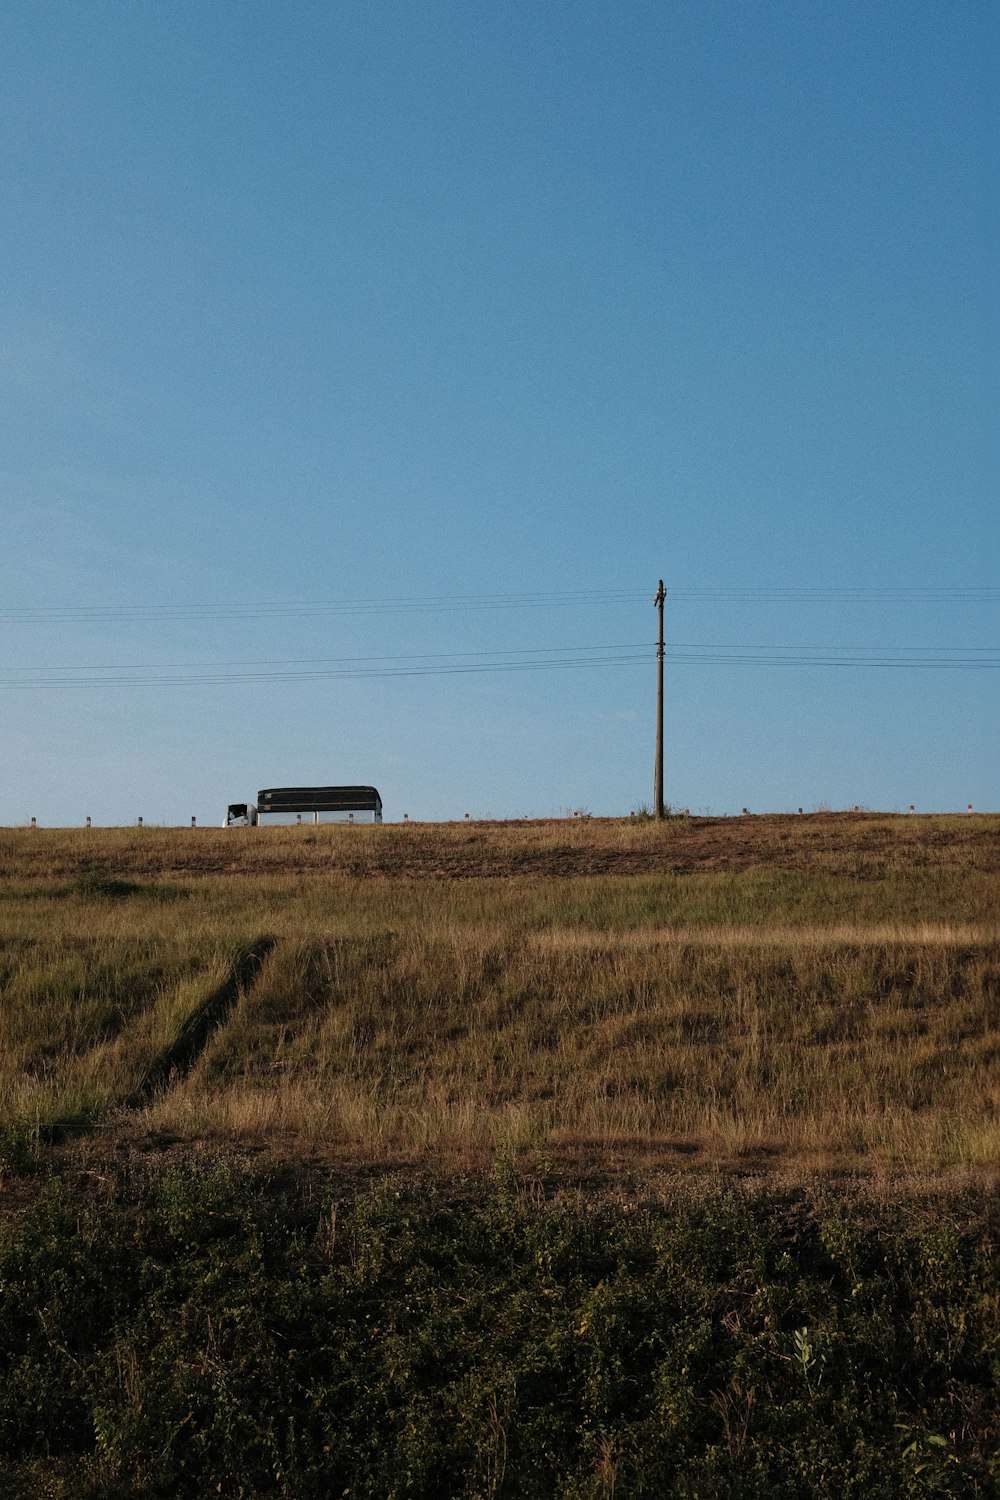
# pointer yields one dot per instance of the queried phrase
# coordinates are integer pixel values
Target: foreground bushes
(216, 1333)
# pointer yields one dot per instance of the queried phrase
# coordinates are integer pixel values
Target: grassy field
(580, 1159)
(787, 996)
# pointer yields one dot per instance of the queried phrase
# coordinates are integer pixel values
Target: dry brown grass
(805, 1011)
(841, 1049)
(864, 844)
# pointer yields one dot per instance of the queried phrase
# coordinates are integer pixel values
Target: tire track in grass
(59, 1112)
(176, 1061)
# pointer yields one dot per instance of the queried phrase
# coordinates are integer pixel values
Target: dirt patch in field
(856, 844)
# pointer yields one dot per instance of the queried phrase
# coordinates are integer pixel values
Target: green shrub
(216, 1329)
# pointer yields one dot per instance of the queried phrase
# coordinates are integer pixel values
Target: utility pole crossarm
(661, 594)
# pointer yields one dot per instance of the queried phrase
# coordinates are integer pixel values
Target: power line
(189, 680)
(845, 595)
(762, 660)
(742, 649)
(444, 603)
(321, 660)
(265, 609)
(475, 663)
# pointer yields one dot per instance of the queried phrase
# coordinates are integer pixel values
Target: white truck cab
(240, 815)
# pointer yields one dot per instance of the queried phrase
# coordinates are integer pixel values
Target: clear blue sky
(317, 302)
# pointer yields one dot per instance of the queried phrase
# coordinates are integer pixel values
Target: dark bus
(317, 804)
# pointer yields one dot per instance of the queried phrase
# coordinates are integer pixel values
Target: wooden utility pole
(661, 594)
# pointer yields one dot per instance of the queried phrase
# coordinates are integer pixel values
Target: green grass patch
(213, 1332)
